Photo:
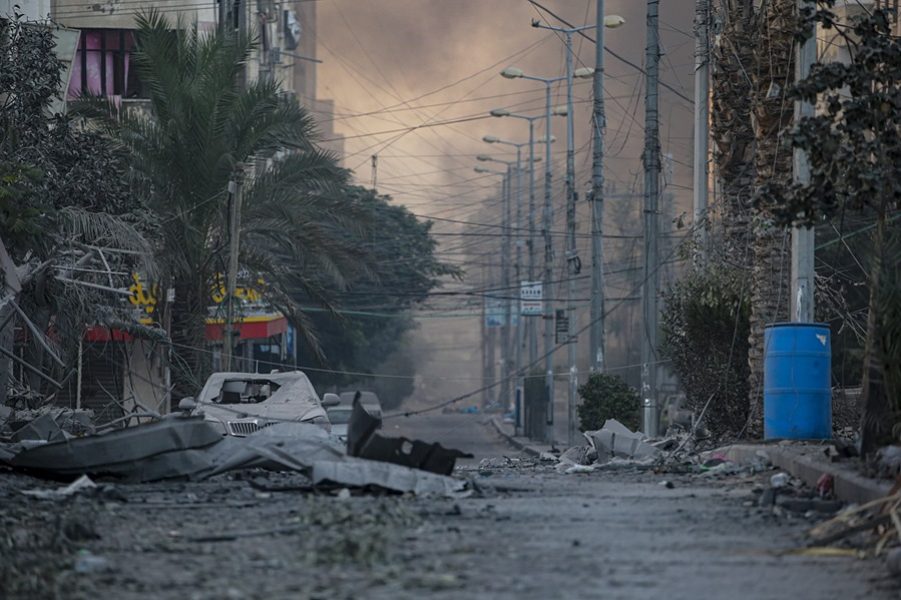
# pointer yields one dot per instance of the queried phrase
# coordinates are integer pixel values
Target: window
(102, 65)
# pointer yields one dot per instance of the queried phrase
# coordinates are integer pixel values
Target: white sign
(531, 298)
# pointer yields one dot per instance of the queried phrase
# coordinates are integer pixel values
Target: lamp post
(571, 249)
(519, 371)
(489, 337)
(547, 222)
(506, 375)
(549, 139)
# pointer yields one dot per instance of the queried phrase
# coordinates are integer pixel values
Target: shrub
(607, 397)
(705, 326)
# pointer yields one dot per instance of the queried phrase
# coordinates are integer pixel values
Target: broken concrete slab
(49, 423)
(118, 452)
(616, 440)
(43, 428)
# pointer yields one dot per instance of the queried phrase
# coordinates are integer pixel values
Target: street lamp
(521, 329)
(549, 139)
(571, 250)
(506, 376)
(488, 340)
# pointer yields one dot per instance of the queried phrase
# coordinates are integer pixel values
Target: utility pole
(596, 341)
(518, 384)
(483, 336)
(802, 263)
(548, 286)
(506, 344)
(223, 15)
(702, 96)
(651, 278)
(236, 187)
(375, 171)
(571, 250)
(533, 325)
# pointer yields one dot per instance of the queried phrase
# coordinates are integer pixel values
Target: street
(528, 532)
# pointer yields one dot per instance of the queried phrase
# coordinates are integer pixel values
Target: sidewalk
(530, 447)
(809, 462)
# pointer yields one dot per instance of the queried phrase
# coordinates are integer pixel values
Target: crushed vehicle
(239, 404)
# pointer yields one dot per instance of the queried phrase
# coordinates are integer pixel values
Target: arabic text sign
(531, 298)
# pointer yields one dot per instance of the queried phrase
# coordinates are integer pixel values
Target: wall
(121, 14)
(145, 376)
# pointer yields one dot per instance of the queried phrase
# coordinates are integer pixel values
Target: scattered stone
(893, 562)
(803, 505)
(87, 562)
(767, 498)
(779, 480)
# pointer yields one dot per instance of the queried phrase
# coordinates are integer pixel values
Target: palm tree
(732, 129)
(770, 245)
(297, 227)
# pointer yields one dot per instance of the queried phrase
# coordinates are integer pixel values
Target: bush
(705, 326)
(607, 397)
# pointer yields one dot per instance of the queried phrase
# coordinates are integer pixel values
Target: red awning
(252, 328)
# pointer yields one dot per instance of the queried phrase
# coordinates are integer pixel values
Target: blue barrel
(797, 377)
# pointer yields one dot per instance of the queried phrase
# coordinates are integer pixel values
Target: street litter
(81, 484)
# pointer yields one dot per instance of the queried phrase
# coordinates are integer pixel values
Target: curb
(848, 485)
(513, 441)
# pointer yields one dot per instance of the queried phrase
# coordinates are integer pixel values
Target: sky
(391, 65)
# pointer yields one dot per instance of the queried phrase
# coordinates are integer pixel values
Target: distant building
(117, 371)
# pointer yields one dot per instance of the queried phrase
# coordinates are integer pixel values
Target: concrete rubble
(188, 447)
(612, 446)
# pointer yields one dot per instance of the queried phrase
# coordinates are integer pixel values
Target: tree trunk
(191, 361)
(6, 342)
(732, 130)
(875, 425)
(770, 245)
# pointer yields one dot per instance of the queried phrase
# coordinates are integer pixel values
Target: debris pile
(873, 528)
(612, 446)
(184, 446)
(48, 424)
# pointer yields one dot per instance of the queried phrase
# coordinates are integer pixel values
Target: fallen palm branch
(881, 517)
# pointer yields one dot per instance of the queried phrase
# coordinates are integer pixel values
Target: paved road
(531, 534)
(470, 433)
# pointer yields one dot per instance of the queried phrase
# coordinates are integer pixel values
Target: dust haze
(393, 57)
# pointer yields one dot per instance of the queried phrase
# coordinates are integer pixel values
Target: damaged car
(242, 403)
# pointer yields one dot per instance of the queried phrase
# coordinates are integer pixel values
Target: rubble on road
(48, 424)
(874, 526)
(79, 485)
(616, 440)
(182, 446)
(614, 446)
(363, 441)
